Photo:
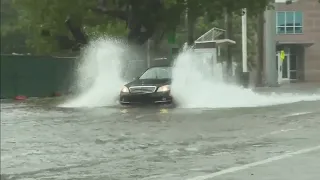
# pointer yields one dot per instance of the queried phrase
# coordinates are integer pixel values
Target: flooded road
(40, 141)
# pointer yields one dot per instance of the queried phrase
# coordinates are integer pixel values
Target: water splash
(196, 84)
(99, 74)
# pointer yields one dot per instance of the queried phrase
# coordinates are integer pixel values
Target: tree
(44, 23)
(140, 20)
(215, 10)
(11, 39)
(49, 19)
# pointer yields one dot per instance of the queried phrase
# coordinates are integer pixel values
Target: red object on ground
(20, 97)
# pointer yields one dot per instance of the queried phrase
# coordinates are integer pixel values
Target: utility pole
(228, 33)
(270, 45)
(148, 54)
(245, 72)
(186, 20)
(260, 40)
(189, 23)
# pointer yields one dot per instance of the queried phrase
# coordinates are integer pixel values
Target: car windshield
(157, 73)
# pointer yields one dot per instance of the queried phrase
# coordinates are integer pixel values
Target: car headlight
(164, 88)
(125, 89)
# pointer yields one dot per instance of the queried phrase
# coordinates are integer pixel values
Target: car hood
(149, 82)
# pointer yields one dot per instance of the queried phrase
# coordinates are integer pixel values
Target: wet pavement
(41, 141)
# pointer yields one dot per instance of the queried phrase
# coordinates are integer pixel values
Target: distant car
(152, 87)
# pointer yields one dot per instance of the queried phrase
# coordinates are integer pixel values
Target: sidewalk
(305, 88)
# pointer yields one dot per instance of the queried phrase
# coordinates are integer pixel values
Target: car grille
(142, 89)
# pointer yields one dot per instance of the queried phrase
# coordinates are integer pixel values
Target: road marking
(124, 111)
(247, 166)
(164, 111)
(296, 114)
(278, 132)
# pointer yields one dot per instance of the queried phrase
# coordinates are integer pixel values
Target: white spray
(194, 87)
(99, 75)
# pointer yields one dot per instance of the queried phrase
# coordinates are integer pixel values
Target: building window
(289, 22)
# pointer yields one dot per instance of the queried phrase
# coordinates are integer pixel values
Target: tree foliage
(43, 21)
(214, 8)
(12, 40)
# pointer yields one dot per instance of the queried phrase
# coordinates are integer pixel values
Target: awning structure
(213, 39)
(302, 43)
(286, 1)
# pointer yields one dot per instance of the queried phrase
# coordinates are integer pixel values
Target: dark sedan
(153, 86)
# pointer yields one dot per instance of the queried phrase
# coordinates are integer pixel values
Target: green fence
(35, 76)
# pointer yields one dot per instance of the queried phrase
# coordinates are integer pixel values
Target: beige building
(298, 34)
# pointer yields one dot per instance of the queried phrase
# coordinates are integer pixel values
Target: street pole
(228, 32)
(270, 45)
(189, 24)
(245, 73)
(260, 56)
(244, 41)
(148, 54)
(280, 69)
